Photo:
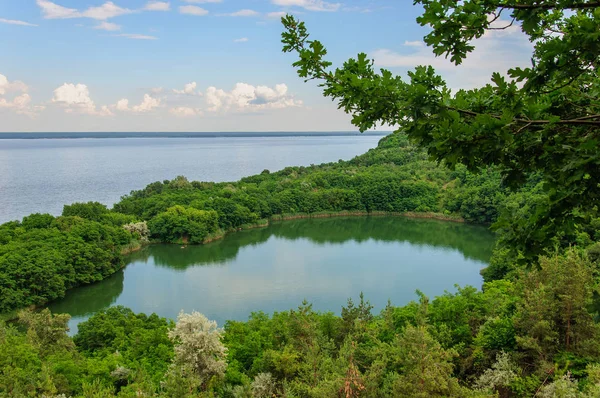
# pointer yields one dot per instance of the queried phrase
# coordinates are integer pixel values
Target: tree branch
(592, 4)
(503, 27)
(588, 117)
(579, 121)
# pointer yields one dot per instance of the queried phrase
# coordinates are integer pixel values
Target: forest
(519, 154)
(511, 337)
(42, 256)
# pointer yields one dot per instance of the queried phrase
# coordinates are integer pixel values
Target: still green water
(325, 261)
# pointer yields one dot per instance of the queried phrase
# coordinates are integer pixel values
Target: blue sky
(203, 65)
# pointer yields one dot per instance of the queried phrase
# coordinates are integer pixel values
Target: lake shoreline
(291, 260)
(115, 166)
(301, 216)
(137, 246)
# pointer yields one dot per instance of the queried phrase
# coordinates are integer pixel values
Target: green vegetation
(43, 256)
(536, 333)
(185, 224)
(541, 121)
(523, 155)
(535, 330)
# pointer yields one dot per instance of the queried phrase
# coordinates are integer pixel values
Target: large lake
(325, 261)
(42, 175)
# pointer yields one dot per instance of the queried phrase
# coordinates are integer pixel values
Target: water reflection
(84, 301)
(474, 242)
(324, 261)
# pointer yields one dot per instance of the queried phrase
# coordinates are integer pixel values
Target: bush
(184, 225)
(90, 210)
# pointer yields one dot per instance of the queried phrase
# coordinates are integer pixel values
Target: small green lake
(325, 261)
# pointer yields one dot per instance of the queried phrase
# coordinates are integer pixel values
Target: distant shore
(237, 134)
(327, 214)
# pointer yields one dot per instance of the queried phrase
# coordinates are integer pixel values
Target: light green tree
(425, 368)
(552, 315)
(200, 354)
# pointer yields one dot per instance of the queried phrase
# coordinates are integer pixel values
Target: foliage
(543, 120)
(512, 338)
(85, 244)
(426, 368)
(41, 361)
(263, 386)
(139, 230)
(523, 156)
(44, 256)
(91, 210)
(181, 224)
(552, 316)
(141, 341)
(199, 351)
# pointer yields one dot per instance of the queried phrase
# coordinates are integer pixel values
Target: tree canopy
(537, 335)
(542, 120)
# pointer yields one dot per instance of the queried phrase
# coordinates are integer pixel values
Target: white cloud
(363, 10)
(20, 104)
(55, 11)
(388, 58)
(188, 89)
(122, 105)
(107, 10)
(416, 43)
(491, 54)
(111, 27)
(16, 22)
(157, 6)
(193, 10)
(74, 95)
(241, 13)
(22, 100)
(136, 36)
(276, 14)
(147, 104)
(75, 98)
(105, 111)
(310, 5)
(8, 86)
(184, 111)
(245, 97)
(241, 40)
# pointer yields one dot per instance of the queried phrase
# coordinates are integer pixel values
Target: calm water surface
(324, 261)
(43, 175)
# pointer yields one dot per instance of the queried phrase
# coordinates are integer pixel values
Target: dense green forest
(43, 256)
(519, 154)
(532, 335)
(510, 338)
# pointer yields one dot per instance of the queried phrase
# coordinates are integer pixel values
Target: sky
(205, 65)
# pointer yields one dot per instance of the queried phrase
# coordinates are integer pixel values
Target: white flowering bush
(199, 350)
(564, 387)
(263, 386)
(138, 228)
(502, 373)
